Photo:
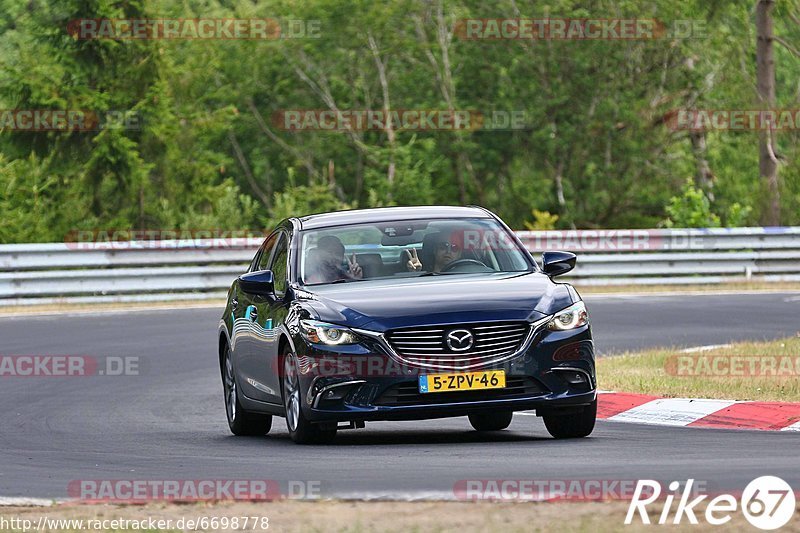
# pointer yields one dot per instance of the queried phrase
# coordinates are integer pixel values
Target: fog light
(575, 378)
(324, 390)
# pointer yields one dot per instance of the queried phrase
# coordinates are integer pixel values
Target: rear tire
(301, 430)
(240, 422)
(491, 421)
(572, 426)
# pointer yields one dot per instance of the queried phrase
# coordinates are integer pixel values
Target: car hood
(380, 305)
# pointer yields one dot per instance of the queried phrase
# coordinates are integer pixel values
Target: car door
(249, 329)
(271, 316)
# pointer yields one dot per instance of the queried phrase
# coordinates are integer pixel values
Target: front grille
(408, 393)
(426, 345)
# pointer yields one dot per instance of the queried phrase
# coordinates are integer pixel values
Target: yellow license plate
(490, 379)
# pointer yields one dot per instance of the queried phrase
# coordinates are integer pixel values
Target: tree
(765, 74)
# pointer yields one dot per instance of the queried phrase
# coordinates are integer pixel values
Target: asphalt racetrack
(169, 421)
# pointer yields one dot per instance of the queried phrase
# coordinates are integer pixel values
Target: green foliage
(223, 206)
(415, 164)
(691, 209)
(29, 202)
(542, 220)
(737, 215)
(302, 200)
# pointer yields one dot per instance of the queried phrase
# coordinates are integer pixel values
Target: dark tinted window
(279, 264)
(266, 252)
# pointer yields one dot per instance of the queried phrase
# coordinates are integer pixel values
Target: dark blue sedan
(404, 313)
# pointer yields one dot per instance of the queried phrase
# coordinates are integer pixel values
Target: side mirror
(260, 283)
(557, 263)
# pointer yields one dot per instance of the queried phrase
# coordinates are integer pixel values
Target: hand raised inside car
(413, 263)
(354, 269)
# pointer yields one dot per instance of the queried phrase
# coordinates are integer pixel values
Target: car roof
(389, 214)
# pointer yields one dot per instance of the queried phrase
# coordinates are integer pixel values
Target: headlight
(572, 317)
(324, 333)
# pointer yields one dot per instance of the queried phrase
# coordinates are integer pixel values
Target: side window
(279, 265)
(266, 252)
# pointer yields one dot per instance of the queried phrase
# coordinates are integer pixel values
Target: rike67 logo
(767, 502)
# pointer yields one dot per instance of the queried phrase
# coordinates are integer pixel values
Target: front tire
(240, 422)
(301, 430)
(492, 421)
(572, 426)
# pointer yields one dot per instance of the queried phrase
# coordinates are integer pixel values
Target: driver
(445, 251)
(327, 259)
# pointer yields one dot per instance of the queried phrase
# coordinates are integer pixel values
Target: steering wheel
(462, 262)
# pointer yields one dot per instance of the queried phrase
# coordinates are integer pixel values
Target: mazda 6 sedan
(404, 313)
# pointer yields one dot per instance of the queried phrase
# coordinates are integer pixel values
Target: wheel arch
(284, 343)
(221, 345)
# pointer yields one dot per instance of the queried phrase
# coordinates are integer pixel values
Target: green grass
(665, 372)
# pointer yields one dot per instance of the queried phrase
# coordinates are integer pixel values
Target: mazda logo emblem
(459, 340)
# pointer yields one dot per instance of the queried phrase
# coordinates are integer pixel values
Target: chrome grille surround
(424, 346)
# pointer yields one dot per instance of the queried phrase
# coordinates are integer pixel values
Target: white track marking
(671, 411)
(706, 348)
(25, 502)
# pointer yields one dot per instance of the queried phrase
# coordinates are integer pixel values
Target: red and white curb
(693, 412)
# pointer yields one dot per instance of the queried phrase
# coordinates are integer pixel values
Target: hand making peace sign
(413, 263)
(354, 268)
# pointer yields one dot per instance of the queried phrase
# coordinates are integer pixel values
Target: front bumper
(364, 382)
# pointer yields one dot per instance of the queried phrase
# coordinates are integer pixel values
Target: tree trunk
(704, 177)
(765, 72)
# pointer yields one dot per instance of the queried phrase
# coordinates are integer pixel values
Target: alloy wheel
(292, 393)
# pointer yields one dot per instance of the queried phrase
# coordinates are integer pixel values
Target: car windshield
(409, 249)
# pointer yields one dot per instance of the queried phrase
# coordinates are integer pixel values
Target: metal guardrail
(201, 269)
